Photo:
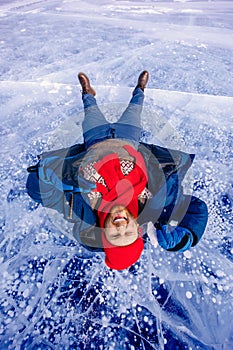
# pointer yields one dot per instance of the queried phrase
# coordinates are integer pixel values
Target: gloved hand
(175, 239)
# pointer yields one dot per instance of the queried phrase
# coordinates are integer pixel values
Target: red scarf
(121, 189)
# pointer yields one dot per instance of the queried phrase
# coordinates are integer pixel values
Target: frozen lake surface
(55, 294)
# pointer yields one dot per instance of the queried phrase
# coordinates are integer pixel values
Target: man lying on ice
(112, 184)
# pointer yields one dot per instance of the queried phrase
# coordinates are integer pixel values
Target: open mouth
(120, 219)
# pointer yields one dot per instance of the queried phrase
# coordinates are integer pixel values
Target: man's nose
(121, 229)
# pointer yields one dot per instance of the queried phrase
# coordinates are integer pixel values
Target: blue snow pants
(96, 128)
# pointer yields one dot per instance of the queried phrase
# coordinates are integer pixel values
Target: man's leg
(132, 114)
(93, 117)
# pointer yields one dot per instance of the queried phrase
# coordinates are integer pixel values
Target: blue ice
(53, 293)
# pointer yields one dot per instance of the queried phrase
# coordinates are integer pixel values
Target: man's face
(120, 227)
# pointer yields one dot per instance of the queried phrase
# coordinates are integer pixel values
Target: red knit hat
(119, 258)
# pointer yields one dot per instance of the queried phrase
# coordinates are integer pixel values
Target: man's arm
(45, 194)
(185, 226)
(45, 187)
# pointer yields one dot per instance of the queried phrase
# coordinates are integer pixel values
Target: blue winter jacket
(54, 183)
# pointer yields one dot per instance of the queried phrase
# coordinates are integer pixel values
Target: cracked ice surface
(55, 294)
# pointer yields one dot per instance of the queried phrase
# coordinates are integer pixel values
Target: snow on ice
(55, 294)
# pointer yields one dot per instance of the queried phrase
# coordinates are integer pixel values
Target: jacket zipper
(71, 206)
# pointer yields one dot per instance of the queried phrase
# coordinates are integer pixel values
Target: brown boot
(142, 80)
(85, 83)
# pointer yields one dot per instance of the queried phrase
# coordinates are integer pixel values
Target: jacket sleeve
(33, 188)
(75, 207)
(47, 195)
(186, 222)
(195, 219)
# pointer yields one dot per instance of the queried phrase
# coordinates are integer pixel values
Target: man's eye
(115, 236)
(129, 233)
